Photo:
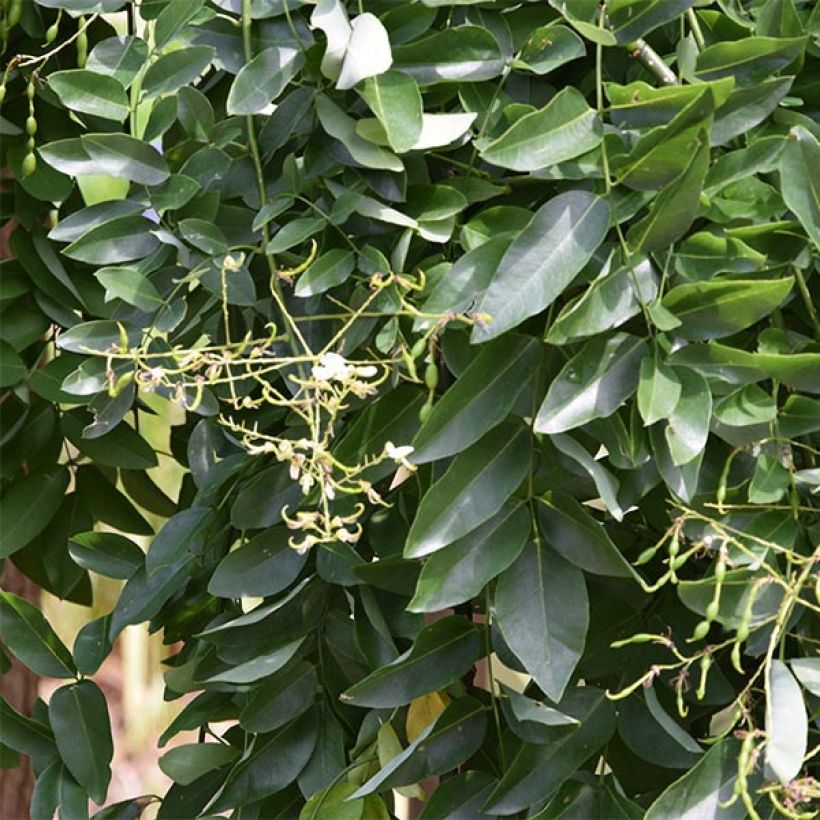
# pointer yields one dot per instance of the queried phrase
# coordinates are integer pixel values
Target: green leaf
(547, 48)
(663, 153)
(659, 389)
(807, 671)
(481, 398)
(343, 128)
(124, 157)
(476, 485)
(608, 302)
(96, 337)
(12, 368)
(748, 405)
(749, 59)
(273, 762)
(542, 610)
(121, 240)
(333, 803)
(260, 500)
(30, 638)
(538, 770)
(800, 179)
(395, 100)
(462, 53)
(592, 384)
(441, 654)
(131, 286)
(79, 717)
(98, 94)
(106, 553)
(709, 310)
(631, 19)
(459, 572)
(564, 128)
(187, 763)
(674, 208)
(172, 18)
(577, 536)
(702, 790)
(748, 106)
(461, 795)
(171, 71)
(770, 481)
(92, 645)
(543, 260)
(452, 738)
(25, 735)
(688, 426)
(28, 505)
(263, 79)
(330, 269)
(281, 697)
(73, 226)
(263, 566)
(260, 667)
(122, 447)
(118, 57)
(705, 254)
(295, 232)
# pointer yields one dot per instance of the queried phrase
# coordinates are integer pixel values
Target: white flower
(365, 371)
(398, 454)
(306, 483)
(331, 367)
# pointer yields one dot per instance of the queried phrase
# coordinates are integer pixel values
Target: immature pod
(424, 411)
(431, 376)
(701, 631)
(52, 31)
(705, 665)
(82, 44)
(418, 348)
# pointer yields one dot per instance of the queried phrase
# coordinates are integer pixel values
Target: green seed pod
(720, 568)
(31, 144)
(712, 610)
(29, 165)
(742, 632)
(431, 376)
(31, 90)
(646, 556)
(424, 411)
(701, 631)
(419, 346)
(705, 664)
(31, 126)
(82, 46)
(121, 382)
(51, 32)
(674, 545)
(683, 709)
(679, 561)
(2, 93)
(15, 12)
(736, 658)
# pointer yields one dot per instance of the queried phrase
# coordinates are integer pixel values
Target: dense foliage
(492, 324)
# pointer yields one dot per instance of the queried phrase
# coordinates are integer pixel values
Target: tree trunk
(19, 687)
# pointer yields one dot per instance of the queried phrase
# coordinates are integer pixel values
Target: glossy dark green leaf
(547, 48)
(786, 723)
(330, 269)
(30, 638)
(448, 741)
(280, 698)
(709, 310)
(480, 399)
(543, 260)
(106, 553)
(25, 735)
(175, 69)
(92, 645)
(749, 59)
(461, 53)
(592, 384)
(28, 505)
(689, 420)
(631, 19)
(564, 128)
(122, 447)
(800, 179)
(263, 79)
(12, 368)
(185, 764)
(459, 572)
(271, 763)
(442, 653)
(79, 718)
(607, 303)
(395, 100)
(98, 94)
(118, 57)
(702, 790)
(659, 389)
(172, 18)
(538, 770)
(476, 485)
(121, 240)
(578, 537)
(542, 610)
